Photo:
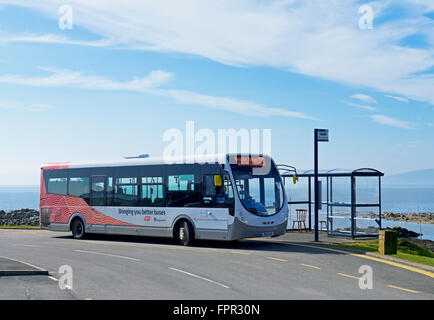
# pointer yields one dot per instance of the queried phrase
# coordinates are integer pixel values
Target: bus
(223, 197)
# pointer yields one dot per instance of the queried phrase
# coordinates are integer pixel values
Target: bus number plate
(267, 234)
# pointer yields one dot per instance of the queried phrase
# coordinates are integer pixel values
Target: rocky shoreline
(424, 218)
(30, 217)
(21, 217)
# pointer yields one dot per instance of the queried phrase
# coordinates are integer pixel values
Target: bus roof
(214, 158)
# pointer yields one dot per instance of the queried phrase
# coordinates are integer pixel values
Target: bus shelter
(350, 200)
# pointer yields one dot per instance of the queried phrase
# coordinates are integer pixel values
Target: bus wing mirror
(294, 178)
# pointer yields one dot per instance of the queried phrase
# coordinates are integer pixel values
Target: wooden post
(387, 242)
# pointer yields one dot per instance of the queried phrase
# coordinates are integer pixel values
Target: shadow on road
(242, 245)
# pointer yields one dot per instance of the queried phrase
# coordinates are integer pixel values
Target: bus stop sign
(322, 135)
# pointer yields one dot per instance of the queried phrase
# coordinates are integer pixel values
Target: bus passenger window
(79, 187)
(152, 192)
(57, 186)
(109, 191)
(181, 191)
(183, 182)
(126, 192)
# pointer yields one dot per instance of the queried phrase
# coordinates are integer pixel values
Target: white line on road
(199, 277)
(107, 254)
(26, 245)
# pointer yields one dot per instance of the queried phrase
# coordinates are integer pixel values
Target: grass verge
(406, 250)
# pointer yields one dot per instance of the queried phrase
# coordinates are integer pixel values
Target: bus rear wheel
(77, 228)
(185, 233)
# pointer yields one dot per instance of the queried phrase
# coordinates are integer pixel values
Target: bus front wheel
(185, 233)
(77, 228)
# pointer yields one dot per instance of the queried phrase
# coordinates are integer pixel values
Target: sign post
(320, 135)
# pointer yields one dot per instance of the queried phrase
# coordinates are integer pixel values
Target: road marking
(395, 264)
(348, 276)
(309, 266)
(199, 277)
(26, 263)
(277, 259)
(403, 289)
(238, 252)
(52, 278)
(107, 254)
(26, 245)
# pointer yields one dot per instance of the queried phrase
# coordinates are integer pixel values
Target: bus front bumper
(240, 230)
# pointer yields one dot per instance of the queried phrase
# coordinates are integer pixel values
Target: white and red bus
(226, 197)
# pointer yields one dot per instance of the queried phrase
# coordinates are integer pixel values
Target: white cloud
(315, 38)
(54, 39)
(149, 85)
(359, 106)
(389, 121)
(19, 105)
(364, 98)
(73, 79)
(229, 104)
(401, 99)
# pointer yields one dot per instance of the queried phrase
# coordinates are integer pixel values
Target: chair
(321, 223)
(301, 218)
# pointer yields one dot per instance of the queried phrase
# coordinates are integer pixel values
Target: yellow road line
(277, 259)
(26, 263)
(309, 266)
(348, 276)
(403, 289)
(395, 264)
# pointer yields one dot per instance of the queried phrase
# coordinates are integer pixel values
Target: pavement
(120, 267)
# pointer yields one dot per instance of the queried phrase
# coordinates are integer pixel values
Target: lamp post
(320, 135)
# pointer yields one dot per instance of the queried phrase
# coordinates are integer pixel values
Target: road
(118, 267)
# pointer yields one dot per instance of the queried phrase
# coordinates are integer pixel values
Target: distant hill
(424, 177)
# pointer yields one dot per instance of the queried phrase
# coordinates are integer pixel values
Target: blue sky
(128, 71)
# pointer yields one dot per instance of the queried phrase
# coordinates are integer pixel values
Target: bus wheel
(77, 228)
(185, 233)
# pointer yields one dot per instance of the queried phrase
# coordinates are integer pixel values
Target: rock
(425, 218)
(404, 233)
(26, 217)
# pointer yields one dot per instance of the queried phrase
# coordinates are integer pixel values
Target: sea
(395, 198)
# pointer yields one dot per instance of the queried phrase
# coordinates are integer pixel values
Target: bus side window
(109, 191)
(57, 186)
(182, 192)
(126, 192)
(219, 196)
(79, 187)
(152, 192)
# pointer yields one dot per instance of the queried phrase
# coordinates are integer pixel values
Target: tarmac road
(118, 267)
